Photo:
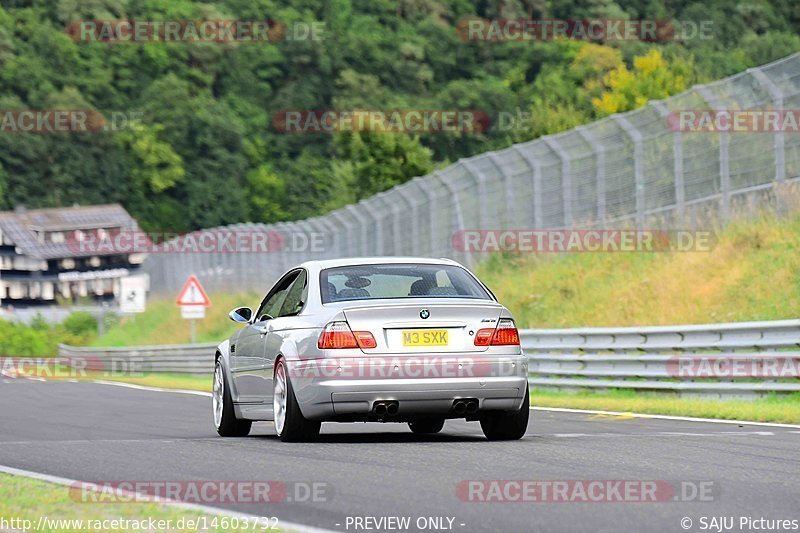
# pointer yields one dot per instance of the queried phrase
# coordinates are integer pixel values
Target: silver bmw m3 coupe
(409, 340)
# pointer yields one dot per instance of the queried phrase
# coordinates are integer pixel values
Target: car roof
(329, 263)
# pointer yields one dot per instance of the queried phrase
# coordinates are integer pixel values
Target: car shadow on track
(382, 437)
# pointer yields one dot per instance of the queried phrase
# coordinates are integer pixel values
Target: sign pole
(192, 331)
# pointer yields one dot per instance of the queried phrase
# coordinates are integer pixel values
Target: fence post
(776, 95)
(724, 154)
(363, 222)
(600, 171)
(457, 208)
(536, 176)
(420, 181)
(333, 241)
(338, 217)
(677, 163)
(480, 179)
(409, 199)
(638, 164)
(508, 189)
(367, 204)
(566, 178)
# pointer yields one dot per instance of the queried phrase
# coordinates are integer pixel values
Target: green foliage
(207, 109)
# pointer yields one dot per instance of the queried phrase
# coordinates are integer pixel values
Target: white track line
(181, 505)
(552, 409)
(666, 417)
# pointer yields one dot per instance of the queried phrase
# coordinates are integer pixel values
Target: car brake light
(505, 334)
(337, 335)
(484, 337)
(365, 339)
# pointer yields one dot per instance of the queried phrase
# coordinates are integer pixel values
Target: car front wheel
(224, 416)
(507, 426)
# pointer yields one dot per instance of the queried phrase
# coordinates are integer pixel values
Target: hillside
(185, 120)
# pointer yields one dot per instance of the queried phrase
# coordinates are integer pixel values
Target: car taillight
(484, 337)
(337, 335)
(365, 339)
(505, 334)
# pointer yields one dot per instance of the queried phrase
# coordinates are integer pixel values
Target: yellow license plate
(425, 337)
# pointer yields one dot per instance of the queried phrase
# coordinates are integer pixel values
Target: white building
(40, 261)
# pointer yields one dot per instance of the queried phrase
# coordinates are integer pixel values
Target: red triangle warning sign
(193, 294)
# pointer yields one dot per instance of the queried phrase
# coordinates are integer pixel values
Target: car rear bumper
(498, 384)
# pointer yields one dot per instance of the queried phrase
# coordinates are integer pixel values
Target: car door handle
(262, 330)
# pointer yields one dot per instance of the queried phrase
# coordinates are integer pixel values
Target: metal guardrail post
(600, 170)
(724, 152)
(536, 176)
(776, 95)
(638, 164)
(566, 178)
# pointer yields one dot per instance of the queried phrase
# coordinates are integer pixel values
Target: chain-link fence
(634, 169)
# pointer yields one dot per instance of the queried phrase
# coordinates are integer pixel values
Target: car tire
(427, 426)
(222, 406)
(290, 424)
(507, 425)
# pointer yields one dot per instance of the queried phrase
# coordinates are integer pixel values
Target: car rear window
(366, 282)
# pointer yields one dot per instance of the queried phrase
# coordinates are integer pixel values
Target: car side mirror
(241, 315)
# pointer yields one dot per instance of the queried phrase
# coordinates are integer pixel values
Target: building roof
(20, 227)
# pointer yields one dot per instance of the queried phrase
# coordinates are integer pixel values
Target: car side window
(272, 304)
(295, 296)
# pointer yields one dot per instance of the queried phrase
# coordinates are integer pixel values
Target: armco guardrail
(642, 358)
(177, 358)
(649, 358)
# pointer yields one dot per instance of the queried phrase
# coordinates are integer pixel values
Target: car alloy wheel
(279, 397)
(217, 395)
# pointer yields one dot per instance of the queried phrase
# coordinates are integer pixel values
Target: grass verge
(22, 498)
(783, 409)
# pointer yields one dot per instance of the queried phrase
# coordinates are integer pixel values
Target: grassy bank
(22, 498)
(753, 273)
(162, 323)
(782, 409)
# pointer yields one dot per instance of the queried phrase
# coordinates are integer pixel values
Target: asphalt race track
(91, 431)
